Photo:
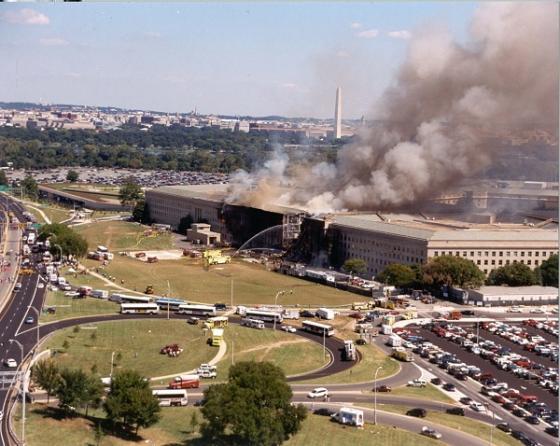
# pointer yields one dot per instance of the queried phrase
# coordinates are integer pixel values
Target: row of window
(507, 262)
(368, 243)
(494, 253)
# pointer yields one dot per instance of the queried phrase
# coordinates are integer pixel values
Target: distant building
(242, 126)
(521, 295)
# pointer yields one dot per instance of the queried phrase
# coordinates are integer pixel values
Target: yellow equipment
(217, 322)
(215, 257)
(26, 271)
(217, 336)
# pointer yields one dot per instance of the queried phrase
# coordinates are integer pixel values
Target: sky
(229, 58)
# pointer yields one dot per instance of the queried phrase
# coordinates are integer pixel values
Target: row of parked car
(521, 405)
(520, 365)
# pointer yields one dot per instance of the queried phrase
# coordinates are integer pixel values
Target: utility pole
(168, 297)
(231, 292)
(112, 361)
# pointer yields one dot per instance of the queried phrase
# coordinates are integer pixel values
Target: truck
(217, 336)
(358, 306)
(394, 341)
(350, 353)
(325, 313)
(31, 238)
(386, 329)
(388, 320)
(185, 382)
(349, 416)
(402, 355)
(410, 314)
(290, 314)
(100, 294)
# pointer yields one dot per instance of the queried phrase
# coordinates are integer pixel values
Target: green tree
(514, 274)
(130, 401)
(46, 374)
(65, 344)
(69, 241)
(450, 271)
(3, 178)
(399, 275)
(548, 271)
(71, 390)
(30, 187)
(184, 224)
(254, 405)
(72, 176)
(93, 392)
(130, 192)
(141, 212)
(356, 266)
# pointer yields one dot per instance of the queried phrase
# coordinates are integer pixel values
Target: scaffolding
(291, 226)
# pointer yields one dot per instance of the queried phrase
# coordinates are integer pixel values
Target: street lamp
(112, 362)
(375, 395)
(29, 307)
(278, 294)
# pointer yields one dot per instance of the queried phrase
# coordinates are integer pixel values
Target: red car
(498, 399)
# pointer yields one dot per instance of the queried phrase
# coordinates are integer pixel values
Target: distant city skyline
(220, 58)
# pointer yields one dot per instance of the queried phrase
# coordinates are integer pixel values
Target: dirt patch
(162, 254)
(269, 347)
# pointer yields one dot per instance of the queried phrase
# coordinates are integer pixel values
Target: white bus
(317, 328)
(147, 308)
(126, 298)
(266, 316)
(171, 397)
(174, 304)
(252, 323)
(197, 310)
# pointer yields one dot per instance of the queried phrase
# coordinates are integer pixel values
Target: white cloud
(53, 41)
(356, 25)
(401, 34)
(342, 54)
(368, 34)
(25, 16)
(152, 34)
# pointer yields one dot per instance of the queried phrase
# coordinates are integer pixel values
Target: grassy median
(67, 307)
(174, 429)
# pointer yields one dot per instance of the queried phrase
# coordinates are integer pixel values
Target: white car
(40, 285)
(318, 392)
(1, 415)
(11, 363)
(288, 328)
(429, 432)
(71, 294)
(417, 383)
(478, 407)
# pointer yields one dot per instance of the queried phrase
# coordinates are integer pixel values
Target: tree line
(457, 271)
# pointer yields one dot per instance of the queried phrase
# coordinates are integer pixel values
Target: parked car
(29, 320)
(436, 381)
(429, 432)
(456, 411)
(11, 363)
(417, 383)
(504, 427)
(193, 320)
(466, 400)
(306, 313)
(519, 435)
(288, 328)
(324, 411)
(382, 389)
(518, 412)
(449, 387)
(476, 406)
(552, 430)
(417, 412)
(318, 392)
(531, 419)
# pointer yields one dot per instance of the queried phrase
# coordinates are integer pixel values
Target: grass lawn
(67, 307)
(252, 284)
(42, 428)
(465, 424)
(138, 342)
(56, 214)
(174, 429)
(121, 236)
(278, 347)
(430, 392)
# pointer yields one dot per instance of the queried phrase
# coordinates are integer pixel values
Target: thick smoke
(447, 98)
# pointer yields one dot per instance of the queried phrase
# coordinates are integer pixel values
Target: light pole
(22, 391)
(278, 294)
(29, 307)
(375, 395)
(493, 421)
(111, 374)
(168, 297)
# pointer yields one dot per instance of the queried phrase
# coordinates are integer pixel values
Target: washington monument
(338, 114)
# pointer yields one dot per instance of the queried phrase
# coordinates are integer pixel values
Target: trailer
(386, 329)
(100, 294)
(325, 313)
(350, 353)
(394, 341)
(349, 416)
